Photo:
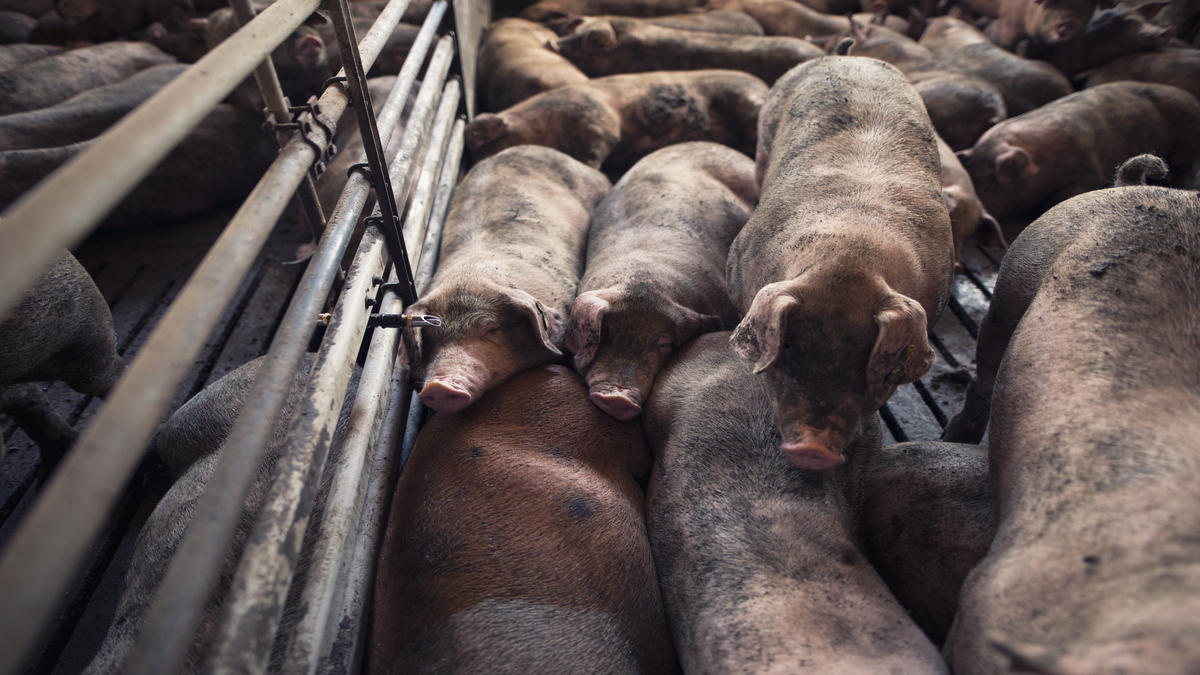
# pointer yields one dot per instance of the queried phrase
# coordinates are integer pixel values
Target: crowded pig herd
(699, 247)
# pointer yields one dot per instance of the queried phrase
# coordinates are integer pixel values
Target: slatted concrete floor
(140, 272)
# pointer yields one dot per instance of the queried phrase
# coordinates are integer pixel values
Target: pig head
(1043, 22)
(622, 336)
(489, 333)
(797, 334)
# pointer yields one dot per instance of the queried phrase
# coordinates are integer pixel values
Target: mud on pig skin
(655, 274)
(83, 116)
(1093, 442)
(761, 563)
(56, 78)
(12, 56)
(1073, 145)
(515, 63)
(1111, 33)
(552, 571)
(61, 330)
(619, 119)
(1024, 83)
(511, 257)
(630, 46)
(848, 257)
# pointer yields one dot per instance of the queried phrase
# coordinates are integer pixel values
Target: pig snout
(310, 50)
(445, 396)
(621, 404)
(815, 449)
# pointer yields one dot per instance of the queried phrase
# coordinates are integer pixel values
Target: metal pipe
(184, 591)
(329, 564)
(358, 583)
(60, 211)
(250, 617)
(46, 550)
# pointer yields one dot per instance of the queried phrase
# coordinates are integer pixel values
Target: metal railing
(77, 502)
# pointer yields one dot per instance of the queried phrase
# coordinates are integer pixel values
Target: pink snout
(619, 405)
(816, 450)
(445, 397)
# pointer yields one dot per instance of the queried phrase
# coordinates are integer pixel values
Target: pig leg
(31, 410)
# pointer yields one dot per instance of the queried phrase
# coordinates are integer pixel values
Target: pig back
(1095, 417)
(516, 542)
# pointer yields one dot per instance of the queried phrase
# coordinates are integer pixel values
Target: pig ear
(759, 337)
(570, 26)
(693, 323)
(1163, 37)
(902, 352)
(317, 18)
(583, 334)
(547, 322)
(1014, 165)
(486, 128)
(988, 232)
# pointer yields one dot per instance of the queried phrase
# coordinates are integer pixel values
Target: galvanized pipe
(62, 209)
(250, 617)
(329, 557)
(441, 205)
(184, 590)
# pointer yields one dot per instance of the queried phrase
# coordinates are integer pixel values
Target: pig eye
(491, 330)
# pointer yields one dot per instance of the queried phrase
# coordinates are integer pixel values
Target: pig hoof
(445, 398)
(619, 406)
(811, 456)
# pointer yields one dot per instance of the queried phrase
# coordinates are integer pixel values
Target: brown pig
(927, 518)
(848, 258)
(968, 218)
(655, 272)
(1073, 145)
(548, 10)
(760, 563)
(1176, 67)
(1111, 33)
(708, 21)
(786, 17)
(1042, 22)
(511, 257)
(621, 45)
(1024, 83)
(516, 62)
(57, 78)
(1095, 418)
(617, 120)
(12, 56)
(551, 571)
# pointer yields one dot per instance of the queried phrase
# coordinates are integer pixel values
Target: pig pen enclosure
(191, 301)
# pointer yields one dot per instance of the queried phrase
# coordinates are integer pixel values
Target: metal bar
(384, 197)
(181, 597)
(277, 107)
(250, 617)
(329, 563)
(61, 210)
(358, 584)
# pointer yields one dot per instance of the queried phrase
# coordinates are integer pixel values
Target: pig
(1042, 22)
(632, 46)
(33, 8)
(848, 258)
(655, 274)
(713, 21)
(1176, 67)
(551, 573)
(615, 121)
(515, 63)
(927, 519)
(509, 266)
(1029, 163)
(961, 105)
(217, 163)
(786, 17)
(968, 218)
(1094, 421)
(548, 10)
(15, 27)
(56, 78)
(1111, 33)
(761, 563)
(190, 443)
(12, 56)
(85, 115)
(1024, 83)
(121, 18)
(60, 330)
(301, 61)
(391, 57)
